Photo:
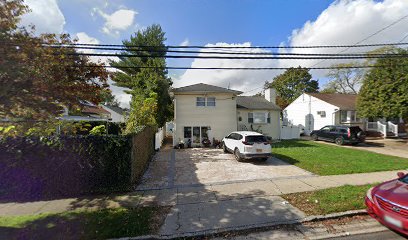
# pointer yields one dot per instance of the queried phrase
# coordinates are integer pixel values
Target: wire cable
(240, 68)
(368, 37)
(242, 57)
(130, 46)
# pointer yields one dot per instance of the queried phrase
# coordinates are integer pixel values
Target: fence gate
(289, 132)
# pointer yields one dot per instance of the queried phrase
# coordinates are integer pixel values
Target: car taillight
(348, 133)
(247, 143)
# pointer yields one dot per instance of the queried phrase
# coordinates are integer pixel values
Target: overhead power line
(241, 47)
(130, 46)
(238, 68)
(243, 57)
(217, 52)
(209, 52)
(368, 37)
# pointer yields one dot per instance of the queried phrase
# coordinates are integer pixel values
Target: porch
(393, 128)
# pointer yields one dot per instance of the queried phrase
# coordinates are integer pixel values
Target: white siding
(116, 117)
(305, 106)
(267, 129)
(222, 118)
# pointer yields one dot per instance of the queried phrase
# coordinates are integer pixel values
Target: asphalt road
(386, 235)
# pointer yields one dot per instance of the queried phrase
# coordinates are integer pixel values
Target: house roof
(94, 110)
(255, 103)
(118, 110)
(204, 88)
(342, 101)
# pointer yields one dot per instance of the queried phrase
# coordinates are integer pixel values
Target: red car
(388, 203)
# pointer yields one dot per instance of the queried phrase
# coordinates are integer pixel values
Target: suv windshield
(404, 179)
(253, 139)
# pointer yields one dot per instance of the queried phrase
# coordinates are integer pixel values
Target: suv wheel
(314, 137)
(237, 155)
(224, 148)
(339, 141)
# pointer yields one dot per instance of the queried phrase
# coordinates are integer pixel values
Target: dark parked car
(339, 134)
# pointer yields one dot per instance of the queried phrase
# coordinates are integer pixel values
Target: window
(259, 117)
(196, 135)
(352, 115)
(349, 116)
(200, 102)
(236, 136)
(253, 139)
(343, 130)
(250, 117)
(187, 132)
(211, 101)
(321, 113)
(343, 116)
(325, 129)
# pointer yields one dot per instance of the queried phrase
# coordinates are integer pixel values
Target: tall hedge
(33, 168)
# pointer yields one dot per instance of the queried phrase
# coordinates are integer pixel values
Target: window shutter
(268, 117)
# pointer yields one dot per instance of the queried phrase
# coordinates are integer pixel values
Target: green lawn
(325, 159)
(331, 200)
(102, 224)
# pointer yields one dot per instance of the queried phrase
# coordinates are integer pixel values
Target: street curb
(249, 227)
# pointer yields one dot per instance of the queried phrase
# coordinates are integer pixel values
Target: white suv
(247, 145)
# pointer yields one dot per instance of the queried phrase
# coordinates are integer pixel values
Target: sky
(227, 23)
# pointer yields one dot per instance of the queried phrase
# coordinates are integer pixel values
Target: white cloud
(118, 21)
(123, 98)
(243, 80)
(85, 38)
(186, 42)
(348, 22)
(45, 15)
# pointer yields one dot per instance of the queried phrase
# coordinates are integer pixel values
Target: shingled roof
(204, 88)
(260, 103)
(340, 100)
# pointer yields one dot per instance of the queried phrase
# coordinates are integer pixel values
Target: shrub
(98, 130)
(47, 167)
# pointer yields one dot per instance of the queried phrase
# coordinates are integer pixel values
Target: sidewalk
(195, 196)
(245, 204)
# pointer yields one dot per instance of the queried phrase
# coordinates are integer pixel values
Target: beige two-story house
(203, 111)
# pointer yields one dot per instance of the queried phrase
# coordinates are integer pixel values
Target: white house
(313, 111)
(204, 111)
(117, 114)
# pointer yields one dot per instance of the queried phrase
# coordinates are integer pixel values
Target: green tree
(344, 79)
(36, 80)
(384, 92)
(142, 82)
(109, 99)
(291, 84)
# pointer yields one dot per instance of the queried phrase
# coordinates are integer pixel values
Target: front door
(196, 136)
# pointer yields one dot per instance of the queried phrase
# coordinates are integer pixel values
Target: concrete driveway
(392, 146)
(201, 166)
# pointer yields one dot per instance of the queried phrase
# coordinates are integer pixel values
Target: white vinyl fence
(289, 132)
(159, 139)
